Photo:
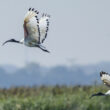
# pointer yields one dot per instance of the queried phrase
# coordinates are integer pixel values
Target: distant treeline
(34, 74)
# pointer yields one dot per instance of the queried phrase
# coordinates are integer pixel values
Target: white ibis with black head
(35, 30)
(105, 77)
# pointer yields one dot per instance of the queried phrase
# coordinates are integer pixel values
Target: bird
(105, 77)
(35, 30)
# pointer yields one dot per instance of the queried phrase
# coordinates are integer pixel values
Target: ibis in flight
(105, 77)
(35, 30)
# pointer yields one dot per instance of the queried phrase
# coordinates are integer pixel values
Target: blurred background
(78, 39)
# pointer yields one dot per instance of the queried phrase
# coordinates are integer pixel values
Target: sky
(79, 32)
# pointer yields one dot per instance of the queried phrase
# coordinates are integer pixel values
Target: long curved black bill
(97, 94)
(11, 40)
(5, 42)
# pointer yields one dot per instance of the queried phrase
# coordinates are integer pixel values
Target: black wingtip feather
(36, 17)
(44, 14)
(36, 12)
(32, 9)
(102, 72)
(29, 9)
(47, 23)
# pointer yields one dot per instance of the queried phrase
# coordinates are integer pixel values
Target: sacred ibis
(105, 77)
(35, 30)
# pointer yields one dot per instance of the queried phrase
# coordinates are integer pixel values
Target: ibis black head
(11, 40)
(97, 94)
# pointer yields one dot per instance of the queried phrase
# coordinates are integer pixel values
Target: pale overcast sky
(79, 32)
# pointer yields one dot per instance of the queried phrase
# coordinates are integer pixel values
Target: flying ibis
(105, 77)
(35, 30)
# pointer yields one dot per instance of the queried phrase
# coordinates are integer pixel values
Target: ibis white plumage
(35, 30)
(105, 77)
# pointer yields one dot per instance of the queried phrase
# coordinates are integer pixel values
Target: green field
(53, 98)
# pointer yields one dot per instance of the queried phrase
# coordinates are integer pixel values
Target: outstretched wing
(105, 77)
(31, 25)
(44, 26)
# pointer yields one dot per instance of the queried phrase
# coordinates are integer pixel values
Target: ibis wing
(105, 77)
(44, 26)
(31, 25)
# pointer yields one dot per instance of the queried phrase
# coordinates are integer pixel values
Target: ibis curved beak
(11, 40)
(5, 42)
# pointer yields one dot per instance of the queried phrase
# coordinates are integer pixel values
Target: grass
(53, 98)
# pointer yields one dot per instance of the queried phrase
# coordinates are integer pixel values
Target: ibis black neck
(97, 94)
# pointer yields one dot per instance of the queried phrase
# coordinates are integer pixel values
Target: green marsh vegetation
(54, 98)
